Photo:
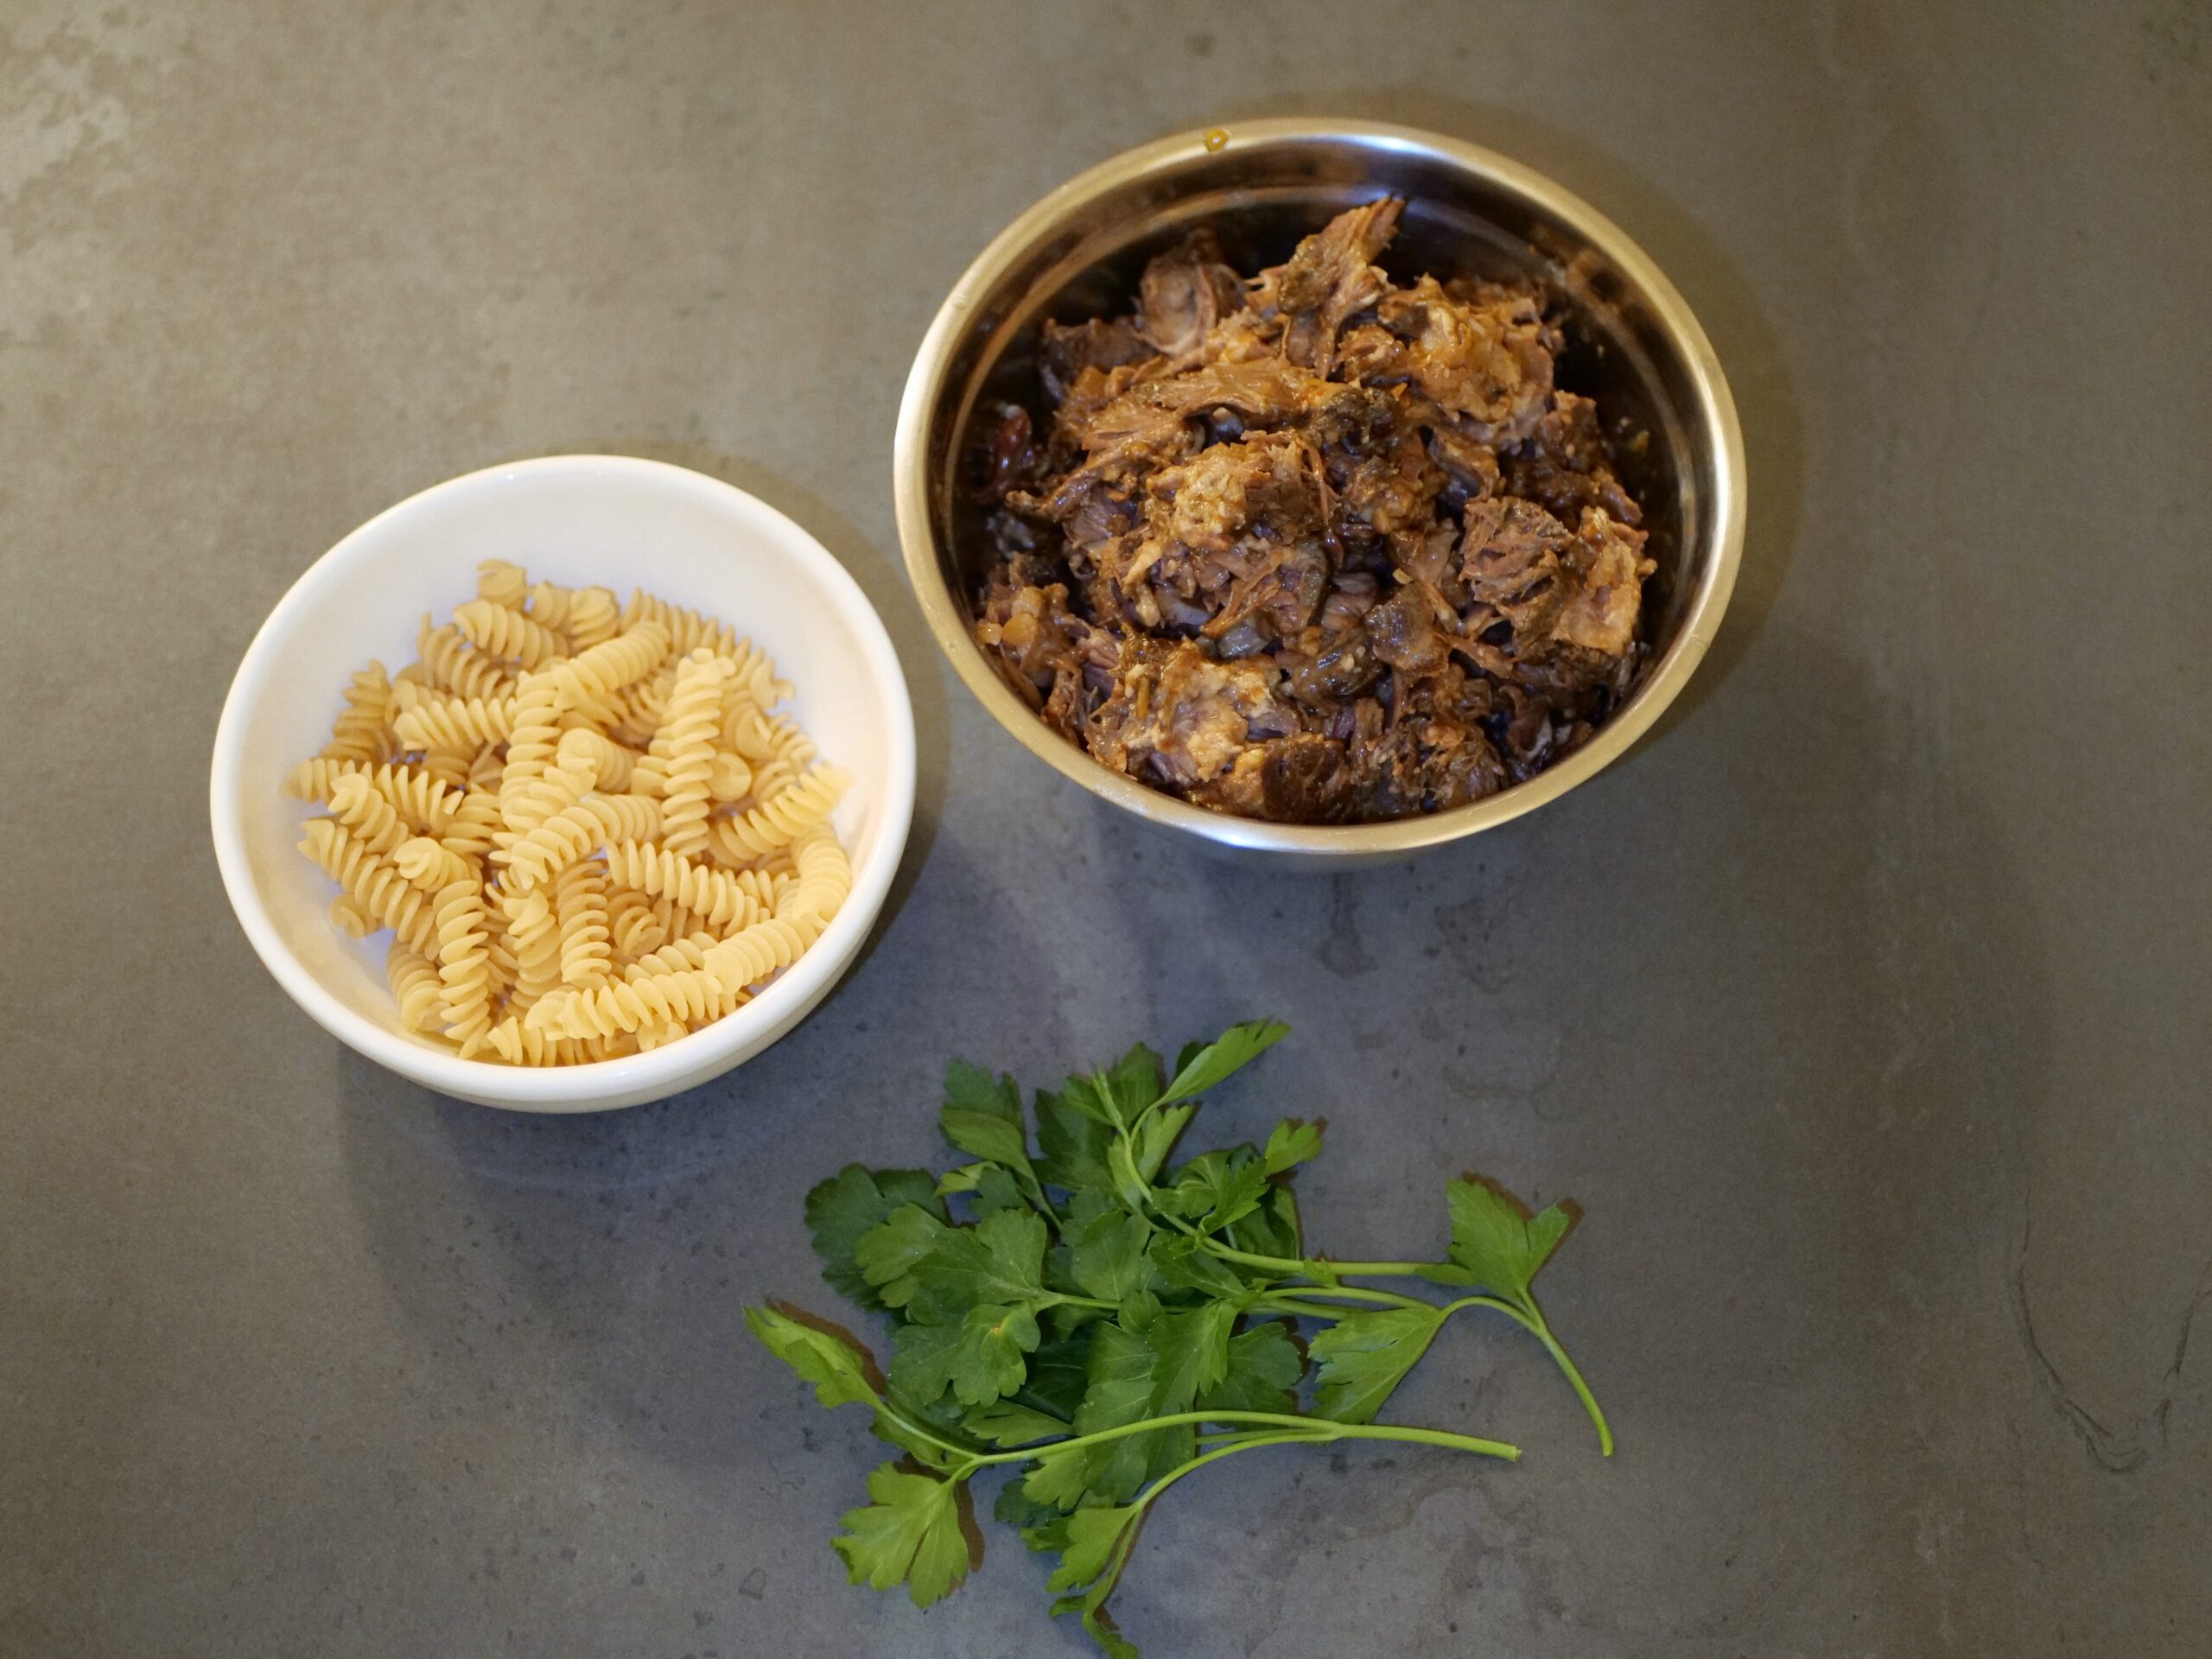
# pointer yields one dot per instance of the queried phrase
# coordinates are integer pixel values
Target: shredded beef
(1318, 548)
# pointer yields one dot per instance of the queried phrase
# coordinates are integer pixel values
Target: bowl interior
(1631, 347)
(610, 521)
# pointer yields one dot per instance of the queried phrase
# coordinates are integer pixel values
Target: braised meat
(1317, 547)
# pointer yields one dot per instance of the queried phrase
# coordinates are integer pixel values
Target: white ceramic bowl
(574, 520)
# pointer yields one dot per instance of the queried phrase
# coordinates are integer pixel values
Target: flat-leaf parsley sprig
(1110, 1322)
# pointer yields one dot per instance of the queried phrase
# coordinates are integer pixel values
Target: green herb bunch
(1111, 1322)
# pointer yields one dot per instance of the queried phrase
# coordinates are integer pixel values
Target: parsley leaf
(1193, 1353)
(937, 1273)
(1264, 1368)
(1126, 1384)
(1059, 1371)
(1231, 1052)
(1109, 1257)
(1217, 1188)
(1182, 1264)
(1133, 1081)
(887, 1252)
(990, 1187)
(841, 1373)
(911, 1534)
(1120, 1095)
(983, 1118)
(1156, 1138)
(1293, 1142)
(1364, 1356)
(1271, 1229)
(1006, 1422)
(1094, 1538)
(1496, 1243)
(838, 1370)
(1018, 1509)
(1071, 1145)
(982, 1358)
(847, 1205)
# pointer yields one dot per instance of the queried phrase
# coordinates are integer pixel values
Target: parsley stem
(922, 1434)
(1319, 1428)
(1316, 1268)
(1531, 1319)
(1061, 1297)
(1381, 1270)
(1352, 1293)
(1543, 1334)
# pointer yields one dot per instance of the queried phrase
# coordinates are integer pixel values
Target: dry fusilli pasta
(784, 816)
(415, 983)
(359, 732)
(455, 723)
(571, 834)
(464, 966)
(501, 631)
(584, 823)
(694, 711)
(580, 909)
(370, 880)
(720, 898)
(452, 662)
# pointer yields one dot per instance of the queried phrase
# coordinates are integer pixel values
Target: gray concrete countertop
(1862, 1008)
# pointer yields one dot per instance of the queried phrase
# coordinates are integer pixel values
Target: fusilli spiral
(453, 664)
(518, 1045)
(535, 936)
(475, 821)
(686, 955)
(716, 895)
(503, 582)
(633, 928)
(606, 668)
(359, 732)
(489, 766)
(355, 803)
(351, 919)
(533, 737)
(456, 723)
(430, 865)
(767, 947)
(415, 983)
(776, 822)
(615, 764)
(580, 909)
(503, 631)
(370, 880)
(687, 630)
(628, 1004)
(464, 966)
(585, 616)
(823, 881)
(554, 791)
(731, 778)
(567, 835)
(422, 803)
(694, 711)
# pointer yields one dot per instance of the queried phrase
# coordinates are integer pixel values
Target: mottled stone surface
(1862, 1008)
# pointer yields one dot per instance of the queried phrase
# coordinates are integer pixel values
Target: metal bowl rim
(1711, 417)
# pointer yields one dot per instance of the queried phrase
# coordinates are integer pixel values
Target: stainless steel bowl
(1078, 253)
